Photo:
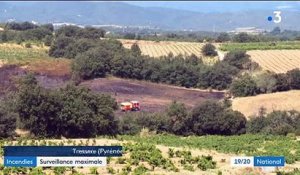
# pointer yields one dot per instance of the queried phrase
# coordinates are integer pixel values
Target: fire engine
(130, 106)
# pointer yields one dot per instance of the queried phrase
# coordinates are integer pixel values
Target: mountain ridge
(123, 14)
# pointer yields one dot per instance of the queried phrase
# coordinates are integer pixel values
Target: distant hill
(120, 13)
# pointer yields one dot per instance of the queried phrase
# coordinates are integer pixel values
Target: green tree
(59, 46)
(237, 59)
(68, 112)
(223, 37)
(209, 50)
(178, 117)
(243, 38)
(213, 118)
(282, 83)
(135, 49)
(294, 78)
(243, 86)
(266, 82)
(92, 63)
(7, 122)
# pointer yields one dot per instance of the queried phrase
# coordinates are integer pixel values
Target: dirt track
(153, 97)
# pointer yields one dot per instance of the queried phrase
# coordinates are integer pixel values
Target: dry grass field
(278, 61)
(276, 101)
(33, 59)
(163, 48)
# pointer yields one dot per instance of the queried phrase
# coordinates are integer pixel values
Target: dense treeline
(20, 32)
(211, 118)
(208, 118)
(97, 58)
(276, 122)
(200, 36)
(266, 82)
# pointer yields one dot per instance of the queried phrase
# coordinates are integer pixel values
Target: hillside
(278, 61)
(119, 13)
(276, 101)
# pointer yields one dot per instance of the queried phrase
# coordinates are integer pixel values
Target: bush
(223, 37)
(238, 59)
(294, 78)
(93, 63)
(135, 49)
(266, 82)
(243, 86)
(209, 50)
(28, 45)
(177, 118)
(276, 122)
(212, 118)
(68, 112)
(134, 123)
(243, 38)
(7, 122)
(59, 46)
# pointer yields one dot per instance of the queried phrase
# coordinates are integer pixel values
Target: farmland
(18, 54)
(282, 45)
(276, 101)
(163, 48)
(278, 61)
(153, 97)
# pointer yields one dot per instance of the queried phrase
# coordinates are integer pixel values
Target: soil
(153, 97)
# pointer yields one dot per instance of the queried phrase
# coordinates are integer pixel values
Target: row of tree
(266, 82)
(19, 32)
(94, 57)
(210, 117)
(276, 122)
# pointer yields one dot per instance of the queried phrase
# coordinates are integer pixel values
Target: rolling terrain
(278, 61)
(249, 106)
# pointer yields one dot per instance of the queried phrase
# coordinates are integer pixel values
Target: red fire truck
(130, 106)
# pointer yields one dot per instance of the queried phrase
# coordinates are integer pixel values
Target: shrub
(209, 50)
(93, 63)
(238, 59)
(28, 45)
(223, 37)
(135, 49)
(68, 112)
(177, 118)
(294, 78)
(213, 118)
(276, 122)
(266, 82)
(243, 86)
(7, 122)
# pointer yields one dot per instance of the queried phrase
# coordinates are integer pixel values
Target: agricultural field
(19, 54)
(282, 45)
(163, 48)
(275, 101)
(278, 61)
(152, 96)
(149, 153)
(33, 59)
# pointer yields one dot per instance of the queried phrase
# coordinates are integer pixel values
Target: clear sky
(221, 6)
